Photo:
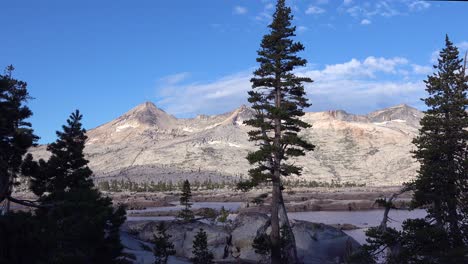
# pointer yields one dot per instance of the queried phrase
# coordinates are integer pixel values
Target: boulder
(316, 243)
(246, 227)
(320, 243)
(183, 235)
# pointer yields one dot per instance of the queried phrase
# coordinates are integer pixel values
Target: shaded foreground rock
(316, 243)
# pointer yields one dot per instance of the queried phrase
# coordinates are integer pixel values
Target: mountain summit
(148, 144)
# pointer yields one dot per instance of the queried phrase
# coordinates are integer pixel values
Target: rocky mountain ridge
(147, 144)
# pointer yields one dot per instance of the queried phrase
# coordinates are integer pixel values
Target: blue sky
(196, 57)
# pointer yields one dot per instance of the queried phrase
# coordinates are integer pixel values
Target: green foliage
(163, 248)
(278, 98)
(260, 199)
(201, 254)
(22, 239)
(16, 135)
(223, 215)
(81, 226)
(442, 150)
(262, 243)
(160, 186)
(186, 214)
(441, 185)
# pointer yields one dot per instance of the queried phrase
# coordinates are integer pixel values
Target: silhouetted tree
(278, 98)
(186, 214)
(82, 226)
(16, 135)
(441, 184)
(201, 254)
(163, 248)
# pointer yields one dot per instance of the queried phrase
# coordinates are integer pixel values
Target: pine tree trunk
(290, 246)
(275, 237)
(275, 227)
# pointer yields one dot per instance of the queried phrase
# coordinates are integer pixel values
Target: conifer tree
(278, 98)
(163, 248)
(82, 226)
(201, 254)
(16, 135)
(441, 185)
(442, 150)
(186, 214)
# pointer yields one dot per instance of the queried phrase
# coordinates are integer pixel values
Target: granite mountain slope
(147, 144)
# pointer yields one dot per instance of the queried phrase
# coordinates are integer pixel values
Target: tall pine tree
(16, 135)
(442, 150)
(82, 226)
(278, 98)
(441, 185)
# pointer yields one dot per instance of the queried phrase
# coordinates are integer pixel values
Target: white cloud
(314, 10)
(302, 28)
(269, 6)
(363, 10)
(366, 22)
(175, 78)
(322, 2)
(240, 10)
(418, 69)
(357, 86)
(418, 5)
(462, 46)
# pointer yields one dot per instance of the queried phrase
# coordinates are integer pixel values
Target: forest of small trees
(71, 221)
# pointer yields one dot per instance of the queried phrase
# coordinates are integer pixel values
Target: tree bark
(275, 227)
(290, 246)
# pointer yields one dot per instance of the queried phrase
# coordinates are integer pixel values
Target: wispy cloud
(302, 28)
(368, 84)
(381, 8)
(418, 5)
(240, 10)
(175, 78)
(314, 10)
(366, 22)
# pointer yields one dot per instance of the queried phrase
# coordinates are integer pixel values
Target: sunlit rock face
(147, 144)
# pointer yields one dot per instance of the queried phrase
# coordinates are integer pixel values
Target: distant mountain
(147, 144)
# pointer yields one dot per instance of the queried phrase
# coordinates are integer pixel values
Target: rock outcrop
(316, 243)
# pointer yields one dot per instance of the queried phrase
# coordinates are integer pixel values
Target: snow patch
(217, 142)
(125, 126)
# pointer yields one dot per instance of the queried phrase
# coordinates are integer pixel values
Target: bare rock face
(316, 243)
(320, 243)
(148, 144)
(183, 235)
(246, 227)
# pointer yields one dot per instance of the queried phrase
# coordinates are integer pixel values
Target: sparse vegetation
(186, 214)
(201, 254)
(163, 248)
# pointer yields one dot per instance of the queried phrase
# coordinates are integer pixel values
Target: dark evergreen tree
(186, 214)
(278, 98)
(201, 254)
(82, 226)
(442, 150)
(441, 185)
(163, 248)
(16, 135)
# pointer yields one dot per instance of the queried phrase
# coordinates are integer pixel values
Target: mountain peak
(401, 112)
(148, 114)
(145, 106)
